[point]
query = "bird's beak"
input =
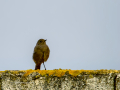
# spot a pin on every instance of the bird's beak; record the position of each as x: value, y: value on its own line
x: 46, y: 40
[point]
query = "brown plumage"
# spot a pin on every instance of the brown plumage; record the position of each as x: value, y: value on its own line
x: 41, y: 53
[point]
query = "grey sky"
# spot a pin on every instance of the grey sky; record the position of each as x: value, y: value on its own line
x: 81, y: 34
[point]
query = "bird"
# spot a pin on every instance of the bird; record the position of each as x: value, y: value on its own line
x: 41, y: 53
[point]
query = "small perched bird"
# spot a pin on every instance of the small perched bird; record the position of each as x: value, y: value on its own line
x: 41, y: 53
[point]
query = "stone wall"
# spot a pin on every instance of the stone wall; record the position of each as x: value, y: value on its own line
x: 60, y: 80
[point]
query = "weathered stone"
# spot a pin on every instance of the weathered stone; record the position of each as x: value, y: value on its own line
x: 36, y: 81
x: 117, y: 79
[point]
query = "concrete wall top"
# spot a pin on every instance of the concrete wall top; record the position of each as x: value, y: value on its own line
x: 59, y: 79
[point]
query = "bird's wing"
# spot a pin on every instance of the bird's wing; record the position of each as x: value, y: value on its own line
x: 38, y: 55
x: 46, y: 54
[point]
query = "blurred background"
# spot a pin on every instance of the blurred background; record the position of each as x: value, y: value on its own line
x: 81, y: 34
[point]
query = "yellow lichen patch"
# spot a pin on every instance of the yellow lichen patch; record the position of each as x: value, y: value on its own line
x: 88, y: 71
x: 116, y: 71
x: 74, y: 72
x: 15, y: 72
x: 43, y: 72
x: 103, y: 71
x: 113, y: 71
x: 28, y: 72
x: 90, y: 76
x: 1, y: 71
x: 51, y: 72
x: 61, y: 72
x: 82, y: 71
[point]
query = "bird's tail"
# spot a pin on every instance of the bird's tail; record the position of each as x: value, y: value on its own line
x: 37, y: 66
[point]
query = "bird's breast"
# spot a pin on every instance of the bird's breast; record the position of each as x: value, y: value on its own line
x: 40, y: 49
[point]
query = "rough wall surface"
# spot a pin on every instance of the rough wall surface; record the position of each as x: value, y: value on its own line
x: 118, y: 82
x: 15, y: 80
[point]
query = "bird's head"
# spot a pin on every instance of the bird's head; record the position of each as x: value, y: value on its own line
x: 41, y: 42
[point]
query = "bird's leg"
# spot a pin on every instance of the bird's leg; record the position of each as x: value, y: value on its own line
x: 37, y: 66
x: 43, y: 60
x: 44, y: 65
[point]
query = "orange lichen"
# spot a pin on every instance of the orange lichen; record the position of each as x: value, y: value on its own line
x: 1, y: 71
x: 51, y: 72
x: 42, y: 72
x: 28, y: 72
x: 61, y: 72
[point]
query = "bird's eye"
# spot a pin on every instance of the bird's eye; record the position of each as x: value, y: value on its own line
x: 40, y: 41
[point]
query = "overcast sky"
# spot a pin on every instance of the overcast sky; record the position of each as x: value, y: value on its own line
x: 81, y: 34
